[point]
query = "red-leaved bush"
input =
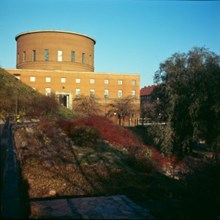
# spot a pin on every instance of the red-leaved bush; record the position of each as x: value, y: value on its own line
x: 114, y: 134
x: 123, y: 138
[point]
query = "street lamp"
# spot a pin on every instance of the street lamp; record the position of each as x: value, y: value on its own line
x: 17, y: 117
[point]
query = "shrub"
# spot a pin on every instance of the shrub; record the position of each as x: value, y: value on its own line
x: 84, y: 135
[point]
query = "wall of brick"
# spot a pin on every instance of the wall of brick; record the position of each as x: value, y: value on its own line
x: 55, y: 41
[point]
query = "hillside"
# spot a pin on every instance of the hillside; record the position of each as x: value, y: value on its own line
x: 17, y: 97
x: 53, y: 166
x: 55, y: 162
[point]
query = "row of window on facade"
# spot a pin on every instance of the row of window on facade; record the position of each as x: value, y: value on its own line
x: 106, y: 93
x: 59, y: 56
x: 78, y: 80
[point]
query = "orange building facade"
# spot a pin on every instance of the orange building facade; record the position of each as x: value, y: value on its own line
x: 62, y: 63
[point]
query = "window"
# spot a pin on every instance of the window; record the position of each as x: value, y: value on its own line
x: 133, y: 93
x: 33, y: 55
x: 77, y: 92
x: 133, y: 82
x: 46, y: 55
x: 59, y: 55
x: 106, y: 81
x: 92, y: 81
x: 32, y: 78
x: 63, y: 80
x: 120, y: 82
x: 83, y: 57
x: 18, y: 58
x: 106, y: 93
x: 47, y: 79
x: 48, y: 91
x: 72, y: 56
x: 77, y: 80
x: 24, y: 56
x: 119, y: 93
x: 92, y: 92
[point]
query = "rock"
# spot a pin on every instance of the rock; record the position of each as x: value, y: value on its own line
x: 52, y: 192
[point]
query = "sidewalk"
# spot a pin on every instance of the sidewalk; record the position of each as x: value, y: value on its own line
x: 110, y: 207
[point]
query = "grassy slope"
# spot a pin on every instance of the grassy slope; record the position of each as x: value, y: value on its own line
x: 12, y: 89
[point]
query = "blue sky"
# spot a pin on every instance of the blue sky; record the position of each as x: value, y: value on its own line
x: 132, y: 36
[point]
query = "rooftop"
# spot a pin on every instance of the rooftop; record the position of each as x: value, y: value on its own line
x: 57, y: 31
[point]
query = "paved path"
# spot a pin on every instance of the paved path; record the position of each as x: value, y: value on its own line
x: 110, y: 207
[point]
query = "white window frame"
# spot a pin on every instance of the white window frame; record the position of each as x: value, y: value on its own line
x: 120, y: 82
x: 59, y: 55
x: 77, y: 92
x: 106, y: 93
x: 106, y: 81
x: 92, y: 92
x: 48, y: 79
x: 133, y: 93
x: 92, y: 81
x: 32, y: 78
x: 77, y: 80
x: 48, y: 91
x: 63, y: 80
x: 120, y: 93
x: 133, y: 82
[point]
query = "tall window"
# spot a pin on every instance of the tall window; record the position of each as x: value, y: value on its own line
x: 24, y: 56
x: 34, y: 55
x: 90, y: 59
x: 133, y: 82
x: 46, y: 55
x: 106, y: 93
x: 48, y: 91
x: 59, y: 55
x: 83, y: 57
x: 77, y: 92
x: 18, y: 57
x: 119, y: 93
x: 72, y: 56
x: 92, y: 92
x: 133, y: 93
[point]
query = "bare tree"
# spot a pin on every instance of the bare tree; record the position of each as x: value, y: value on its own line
x: 122, y: 107
x: 86, y: 104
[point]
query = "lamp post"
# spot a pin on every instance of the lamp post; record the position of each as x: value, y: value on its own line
x: 17, y: 117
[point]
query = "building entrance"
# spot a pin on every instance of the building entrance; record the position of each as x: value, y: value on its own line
x: 64, y: 99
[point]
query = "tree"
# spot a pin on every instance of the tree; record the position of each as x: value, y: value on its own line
x: 86, y: 104
x: 191, y: 99
x: 122, y: 107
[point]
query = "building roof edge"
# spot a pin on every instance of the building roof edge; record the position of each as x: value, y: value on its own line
x: 58, y: 31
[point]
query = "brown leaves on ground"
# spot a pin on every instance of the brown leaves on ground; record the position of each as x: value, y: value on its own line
x: 53, y: 165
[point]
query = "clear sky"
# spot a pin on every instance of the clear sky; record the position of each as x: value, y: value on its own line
x: 132, y: 36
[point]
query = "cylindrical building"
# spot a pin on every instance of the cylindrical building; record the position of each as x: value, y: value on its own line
x: 55, y: 50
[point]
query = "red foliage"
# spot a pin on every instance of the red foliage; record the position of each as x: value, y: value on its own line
x: 123, y: 138
x: 116, y: 135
